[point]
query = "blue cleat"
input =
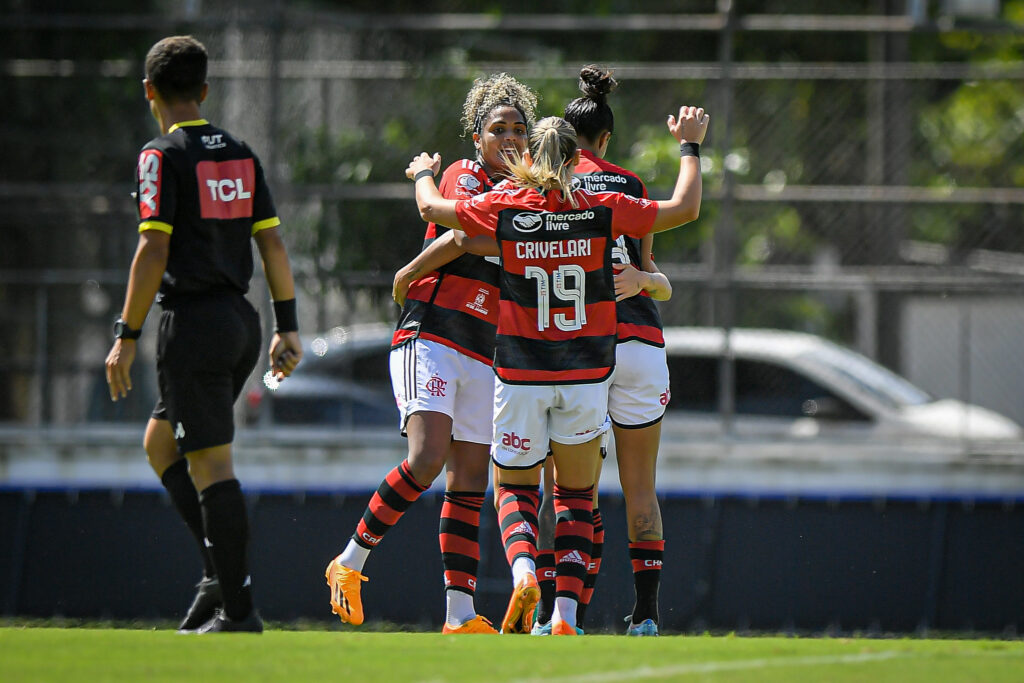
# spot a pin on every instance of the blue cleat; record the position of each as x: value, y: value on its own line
x: 541, y: 629
x: 647, y: 627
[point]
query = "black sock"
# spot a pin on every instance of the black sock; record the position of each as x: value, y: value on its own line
x: 186, y: 500
x: 227, y: 529
x: 647, y: 584
x: 546, y: 579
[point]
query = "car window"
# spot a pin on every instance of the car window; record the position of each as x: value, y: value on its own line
x: 373, y: 367
x: 886, y: 386
x: 769, y: 389
x: 761, y: 388
x: 694, y: 383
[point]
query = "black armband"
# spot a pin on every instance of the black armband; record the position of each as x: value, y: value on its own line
x: 423, y: 174
x: 286, y: 316
x: 689, y: 149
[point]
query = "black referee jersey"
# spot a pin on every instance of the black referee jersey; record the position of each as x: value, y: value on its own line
x: 207, y: 190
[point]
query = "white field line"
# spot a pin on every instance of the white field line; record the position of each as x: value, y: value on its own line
x: 713, y: 667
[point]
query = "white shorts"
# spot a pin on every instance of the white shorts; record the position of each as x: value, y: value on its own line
x: 527, y: 416
x: 428, y: 376
x: 639, y: 391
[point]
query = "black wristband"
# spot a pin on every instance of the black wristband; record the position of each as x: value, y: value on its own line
x: 423, y: 174
x: 689, y: 149
x: 286, y: 316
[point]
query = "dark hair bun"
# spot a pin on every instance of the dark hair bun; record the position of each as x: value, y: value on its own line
x: 596, y: 82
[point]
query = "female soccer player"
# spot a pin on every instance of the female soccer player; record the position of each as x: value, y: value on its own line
x: 555, y: 347
x: 441, y: 358
x: 639, y: 389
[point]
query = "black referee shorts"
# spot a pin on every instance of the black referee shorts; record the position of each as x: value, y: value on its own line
x: 206, y: 349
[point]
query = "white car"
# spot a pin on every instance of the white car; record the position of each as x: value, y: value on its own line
x: 810, y: 416
x: 791, y: 384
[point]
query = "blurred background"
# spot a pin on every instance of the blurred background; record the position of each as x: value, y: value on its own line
x: 862, y: 187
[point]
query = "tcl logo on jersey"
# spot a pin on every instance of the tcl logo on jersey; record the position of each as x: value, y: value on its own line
x: 513, y: 440
x: 149, y: 183
x: 225, y: 188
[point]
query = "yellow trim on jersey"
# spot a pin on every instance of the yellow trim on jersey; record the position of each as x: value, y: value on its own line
x: 265, y: 223
x: 156, y: 225
x: 182, y: 124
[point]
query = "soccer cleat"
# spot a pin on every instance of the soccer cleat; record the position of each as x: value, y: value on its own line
x: 222, y: 623
x: 477, y: 624
x: 519, y: 616
x: 647, y: 627
x: 204, y: 605
x: 560, y: 628
x: 345, y: 584
x: 541, y: 629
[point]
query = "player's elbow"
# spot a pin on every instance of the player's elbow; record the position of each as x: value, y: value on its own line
x: 690, y: 213
x: 427, y: 211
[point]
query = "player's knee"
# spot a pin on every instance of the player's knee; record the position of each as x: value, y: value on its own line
x: 426, y: 465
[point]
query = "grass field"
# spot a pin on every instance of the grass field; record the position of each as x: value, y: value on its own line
x: 119, y: 654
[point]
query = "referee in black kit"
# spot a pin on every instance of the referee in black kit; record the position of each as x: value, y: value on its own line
x: 201, y: 198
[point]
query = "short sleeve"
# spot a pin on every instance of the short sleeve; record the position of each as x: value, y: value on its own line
x: 156, y: 191
x: 479, y: 215
x: 631, y: 216
x: 264, y: 214
x: 461, y: 182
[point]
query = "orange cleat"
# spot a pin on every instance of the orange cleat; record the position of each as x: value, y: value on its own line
x: 477, y: 624
x: 561, y: 628
x: 345, y: 584
x: 519, y: 616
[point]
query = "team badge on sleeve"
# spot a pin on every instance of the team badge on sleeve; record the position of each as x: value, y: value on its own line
x: 150, y: 166
x: 467, y: 185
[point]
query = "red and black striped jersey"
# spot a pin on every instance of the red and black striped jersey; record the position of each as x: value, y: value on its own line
x: 457, y: 305
x: 638, y: 315
x: 557, y: 322
x: 206, y: 189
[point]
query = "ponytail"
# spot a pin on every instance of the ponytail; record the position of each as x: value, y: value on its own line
x: 552, y: 149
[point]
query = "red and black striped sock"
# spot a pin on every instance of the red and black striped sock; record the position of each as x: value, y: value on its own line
x: 395, y: 494
x: 574, y: 535
x: 597, y: 547
x: 517, y: 518
x: 646, y: 558
x: 546, y: 579
x: 459, y: 535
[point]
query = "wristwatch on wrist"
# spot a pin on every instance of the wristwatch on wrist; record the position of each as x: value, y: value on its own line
x: 122, y: 331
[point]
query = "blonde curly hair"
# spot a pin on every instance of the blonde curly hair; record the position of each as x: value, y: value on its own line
x: 498, y: 90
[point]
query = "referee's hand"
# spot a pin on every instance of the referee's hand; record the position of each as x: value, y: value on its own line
x: 285, y: 354
x: 118, y: 367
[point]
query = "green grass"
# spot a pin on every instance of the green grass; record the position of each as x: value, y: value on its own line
x: 32, y: 653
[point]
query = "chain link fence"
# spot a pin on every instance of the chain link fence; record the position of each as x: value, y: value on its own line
x: 861, y: 174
